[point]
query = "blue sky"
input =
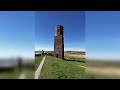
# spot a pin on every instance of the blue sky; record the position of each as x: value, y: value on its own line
x: 103, y: 34
x: 17, y: 33
x: 74, y: 29
x: 97, y: 32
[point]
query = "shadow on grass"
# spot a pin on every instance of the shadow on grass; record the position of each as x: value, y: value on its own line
x: 74, y: 60
x: 7, y: 69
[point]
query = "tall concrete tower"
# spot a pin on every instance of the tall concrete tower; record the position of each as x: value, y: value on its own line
x: 59, y: 42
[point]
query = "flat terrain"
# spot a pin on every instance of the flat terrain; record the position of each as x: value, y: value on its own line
x: 9, y: 74
x: 26, y: 72
x: 79, y: 55
x: 103, y: 70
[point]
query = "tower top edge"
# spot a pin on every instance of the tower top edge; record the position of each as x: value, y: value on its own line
x: 59, y: 25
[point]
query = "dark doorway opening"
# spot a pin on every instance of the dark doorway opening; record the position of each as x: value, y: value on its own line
x: 57, y: 55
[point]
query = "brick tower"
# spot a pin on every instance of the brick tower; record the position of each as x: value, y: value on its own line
x: 59, y: 42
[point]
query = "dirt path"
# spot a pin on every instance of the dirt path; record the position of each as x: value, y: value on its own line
x: 37, y: 72
x: 22, y: 76
x: 81, y: 66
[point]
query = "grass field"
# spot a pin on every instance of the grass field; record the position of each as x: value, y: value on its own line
x: 73, y: 58
x: 15, y: 72
x: 55, y: 68
x: 93, y: 76
x: 29, y: 73
x: 38, y: 59
x: 75, y: 55
x: 72, y: 67
x: 103, y: 70
x: 11, y: 74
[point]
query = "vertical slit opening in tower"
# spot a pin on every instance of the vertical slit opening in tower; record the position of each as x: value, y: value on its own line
x: 57, y: 55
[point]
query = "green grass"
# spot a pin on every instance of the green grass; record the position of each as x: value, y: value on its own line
x: 55, y: 68
x: 9, y: 74
x: 38, y: 59
x: 76, y: 53
x: 74, y: 58
x: 29, y: 73
x: 14, y: 73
